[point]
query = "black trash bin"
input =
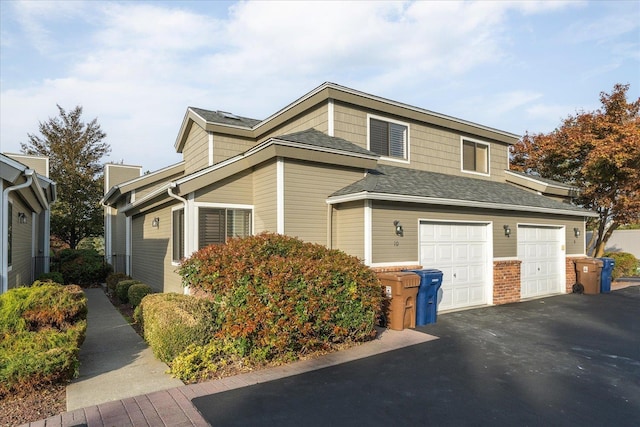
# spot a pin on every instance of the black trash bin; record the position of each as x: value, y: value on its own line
x: 606, y: 274
x: 427, y: 300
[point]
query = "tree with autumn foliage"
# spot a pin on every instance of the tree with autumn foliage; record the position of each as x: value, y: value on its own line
x: 75, y: 150
x: 597, y: 152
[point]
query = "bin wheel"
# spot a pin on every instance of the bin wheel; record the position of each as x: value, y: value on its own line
x: 577, y: 288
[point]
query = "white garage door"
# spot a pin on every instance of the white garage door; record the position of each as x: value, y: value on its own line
x: 460, y: 250
x: 541, y: 250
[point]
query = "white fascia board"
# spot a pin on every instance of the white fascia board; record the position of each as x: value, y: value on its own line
x: 547, y: 184
x: 453, y: 202
x: 155, y: 193
x: 106, y: 198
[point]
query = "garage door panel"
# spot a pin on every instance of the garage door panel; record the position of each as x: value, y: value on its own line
x: 542, y: 260
x: 460, y: 251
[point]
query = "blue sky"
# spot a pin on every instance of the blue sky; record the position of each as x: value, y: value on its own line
x: 136, y: 66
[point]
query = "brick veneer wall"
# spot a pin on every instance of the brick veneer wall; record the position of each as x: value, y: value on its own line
x: 506, y: 281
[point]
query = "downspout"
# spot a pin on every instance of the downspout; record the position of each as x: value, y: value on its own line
x: 186, y: 242
x: 4, y: 286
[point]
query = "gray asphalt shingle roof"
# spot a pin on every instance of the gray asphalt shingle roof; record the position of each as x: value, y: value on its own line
x: 410, y: 182
x: 319, y: 139
x: 225, y: 118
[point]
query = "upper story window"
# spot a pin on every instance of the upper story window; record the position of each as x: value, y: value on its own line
x: 388, y: 138
x: 475, y: 156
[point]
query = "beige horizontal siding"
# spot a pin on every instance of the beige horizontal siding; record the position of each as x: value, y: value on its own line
x: 306, y: 188
x: 316, y: 118
x: 226, y: 146
x: 384, y: 213
x: 196, y: 150
x: 431, y: 148
x: 151, y: 252
x: 348, y: 228
x: 237, y: 189
x: 264, y: 198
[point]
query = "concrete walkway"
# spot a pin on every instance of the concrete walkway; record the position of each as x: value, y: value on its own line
x: 122, y: 384
x: 115, y: 363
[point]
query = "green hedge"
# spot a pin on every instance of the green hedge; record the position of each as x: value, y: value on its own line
x: 171, y: 322
x: 113, y: 279
x: 625, y: 264
x: 122, y: 289
x: 54, y: 276
x: 278, y: 297
x: 137, y: 292
x: 41, y: 330
x: 83, y: 266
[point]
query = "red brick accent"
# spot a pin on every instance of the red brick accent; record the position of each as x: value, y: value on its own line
x: 571, y: 273
x: 506, y: 281
x: 395, y: 268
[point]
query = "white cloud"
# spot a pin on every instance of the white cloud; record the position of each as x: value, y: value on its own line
x: 137, y: 66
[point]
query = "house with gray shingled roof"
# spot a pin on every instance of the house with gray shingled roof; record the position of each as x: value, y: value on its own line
x: 396, y: 185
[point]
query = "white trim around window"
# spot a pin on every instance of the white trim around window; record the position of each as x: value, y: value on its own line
x: 478, y: 145
x: 226, y: 207
x: 407, y: 138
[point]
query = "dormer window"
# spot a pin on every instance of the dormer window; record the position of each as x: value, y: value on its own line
x: 475, y: 156
x: 388, y: 138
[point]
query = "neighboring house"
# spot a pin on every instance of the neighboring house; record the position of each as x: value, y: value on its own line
x: 395, y: 185
x: 27, y: 193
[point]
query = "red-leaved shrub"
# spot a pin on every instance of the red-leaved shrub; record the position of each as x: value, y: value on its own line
x: 277, y: 296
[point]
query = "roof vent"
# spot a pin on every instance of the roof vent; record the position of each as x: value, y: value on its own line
x: 228, y: 115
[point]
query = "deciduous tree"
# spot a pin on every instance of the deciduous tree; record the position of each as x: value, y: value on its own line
x: 599, y: 153
x: 74, y: 149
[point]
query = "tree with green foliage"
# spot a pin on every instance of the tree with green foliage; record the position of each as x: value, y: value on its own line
x: 597, y: 152
x: 75, y: 150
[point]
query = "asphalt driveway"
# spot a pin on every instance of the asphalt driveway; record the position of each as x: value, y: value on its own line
x: 564, y: 360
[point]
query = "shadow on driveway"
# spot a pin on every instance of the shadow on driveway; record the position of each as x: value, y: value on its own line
x: 564, y: 360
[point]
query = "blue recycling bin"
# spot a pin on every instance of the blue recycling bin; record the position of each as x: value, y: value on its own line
x: 427, y: 300
x: 606, y: 274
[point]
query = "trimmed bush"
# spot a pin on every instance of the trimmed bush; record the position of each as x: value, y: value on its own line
x: 281, y: 297
x: 83, y: 266
x: 41, y: 330
x: 122, y: 289
x: 54, y: 276
x: 138, y: 291
x: 625, y: 264
x: 113, y: 279
x: 171, y: 322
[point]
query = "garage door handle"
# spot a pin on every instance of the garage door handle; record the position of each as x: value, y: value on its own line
x: 454, y: 275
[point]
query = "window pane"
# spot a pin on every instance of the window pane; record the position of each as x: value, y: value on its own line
x: 178, y: 234
x: 397, y: 137
x: 10, y: 235
x: 468, y: 156
x: 379, y: 137
x: 482, y: 158
x: 238, y: 223
x: 211, y: 227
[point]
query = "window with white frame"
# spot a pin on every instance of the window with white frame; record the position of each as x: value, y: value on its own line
x: 475, y: 156
x: 177, y: 230
x: 217, y: 225
x: 10, y: 235
x: 388, y: 138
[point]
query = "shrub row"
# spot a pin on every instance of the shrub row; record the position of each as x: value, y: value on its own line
x: 277, y: 297
x: 83, y: 266
x: 626, y: 264
x: 171, y: 322
x: 41, y: 330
